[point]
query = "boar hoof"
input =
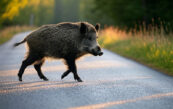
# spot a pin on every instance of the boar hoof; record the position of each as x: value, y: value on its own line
x: 79, y: 80
x: 20, y: 79
x: 44, y: 78
x: 62, y: 76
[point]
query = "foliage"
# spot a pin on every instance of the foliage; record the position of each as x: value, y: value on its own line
x: 8, y: 32
x: 40, y: 10
x: 66, y: 10
x: 152, y: 48
x: 92, y: 15
x: 133, y: 13
x: 10, y: 8
x: 20, y: 11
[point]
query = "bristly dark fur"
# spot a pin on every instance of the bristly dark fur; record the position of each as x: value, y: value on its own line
x: 57, y: 41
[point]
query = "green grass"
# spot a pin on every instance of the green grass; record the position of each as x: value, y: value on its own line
x: 154, y: 50
x: 8, y: 32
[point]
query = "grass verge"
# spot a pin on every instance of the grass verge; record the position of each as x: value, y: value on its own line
x: 152, y: 48
x: 8, y: 32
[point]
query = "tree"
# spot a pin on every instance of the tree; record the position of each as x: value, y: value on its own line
x: 66, y: 10
x: 128, y: 13
x: 40, y: 11
x: 9, y: 9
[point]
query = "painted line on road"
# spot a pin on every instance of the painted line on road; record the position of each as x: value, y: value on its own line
x: 114, y: 103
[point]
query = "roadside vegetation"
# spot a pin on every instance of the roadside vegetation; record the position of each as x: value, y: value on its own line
x: 8, y: 32
x: 152, y: 47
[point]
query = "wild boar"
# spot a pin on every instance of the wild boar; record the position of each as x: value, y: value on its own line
x: 67, y: 41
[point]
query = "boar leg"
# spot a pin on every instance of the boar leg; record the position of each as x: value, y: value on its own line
x: 28, y: 61
x: 38, y: 69
x: 72, y: 67
x: 65, y: 74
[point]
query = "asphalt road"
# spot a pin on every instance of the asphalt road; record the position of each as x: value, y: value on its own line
x: 110, y: 81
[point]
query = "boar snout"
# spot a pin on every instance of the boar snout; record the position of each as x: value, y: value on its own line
x: 97, y: 51
x: 100, y: 54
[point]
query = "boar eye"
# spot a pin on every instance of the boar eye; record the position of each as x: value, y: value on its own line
x: 90, y: 38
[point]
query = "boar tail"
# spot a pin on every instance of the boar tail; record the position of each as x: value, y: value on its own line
x: 16, y: 44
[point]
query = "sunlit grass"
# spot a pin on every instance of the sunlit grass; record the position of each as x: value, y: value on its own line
x: 153, y: 48
x: 8, y: 32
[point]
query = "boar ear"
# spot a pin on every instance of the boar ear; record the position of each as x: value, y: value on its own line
x: 83, y: 28
x: 97, y: 27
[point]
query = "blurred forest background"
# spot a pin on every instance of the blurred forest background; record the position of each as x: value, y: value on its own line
x: 121, y: 13
x: 138, y: 29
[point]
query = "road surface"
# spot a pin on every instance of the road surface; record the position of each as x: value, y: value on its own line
x: 110, y: 82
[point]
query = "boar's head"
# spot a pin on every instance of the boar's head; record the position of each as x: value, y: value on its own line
x: 89, y: 36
